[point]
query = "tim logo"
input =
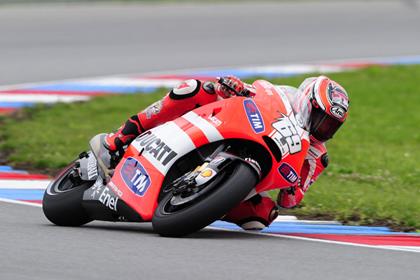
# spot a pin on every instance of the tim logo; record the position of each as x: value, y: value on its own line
x: 254, y: 116
x: 288, y: 173
x: 135, y: 176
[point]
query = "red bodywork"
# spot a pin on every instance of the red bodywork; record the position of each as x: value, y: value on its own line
x: 138, y: 178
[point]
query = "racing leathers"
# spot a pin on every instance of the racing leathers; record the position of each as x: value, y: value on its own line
x: 257, y: 212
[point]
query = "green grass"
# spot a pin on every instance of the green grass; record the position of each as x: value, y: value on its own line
x: 50, y: 136
x: 374, y: 171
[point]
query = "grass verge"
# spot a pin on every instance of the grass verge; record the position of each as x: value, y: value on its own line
x: 374, y: 172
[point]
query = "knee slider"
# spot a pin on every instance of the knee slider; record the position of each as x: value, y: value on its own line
x: 186, y: 89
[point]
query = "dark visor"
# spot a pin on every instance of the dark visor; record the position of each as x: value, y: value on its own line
x: 323, y: 126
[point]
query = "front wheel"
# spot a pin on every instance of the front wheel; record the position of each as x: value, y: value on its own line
x: 233, y: 185
x: 62, y: 202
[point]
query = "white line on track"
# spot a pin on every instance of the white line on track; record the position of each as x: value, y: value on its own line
x: 411, y: 249
x: 41, y: 98
x: 118, y: 79
x: 20, y: 202
x: 24, y: 184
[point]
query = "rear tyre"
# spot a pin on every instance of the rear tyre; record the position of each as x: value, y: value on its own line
x: 232, y: 189
x: 62, y: 202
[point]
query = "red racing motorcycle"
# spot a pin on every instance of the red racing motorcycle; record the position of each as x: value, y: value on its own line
x: 186, y: 173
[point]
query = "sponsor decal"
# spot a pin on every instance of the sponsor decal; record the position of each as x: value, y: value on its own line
x: 288, y: 173
x: 104, y: 195
x: 96, y: 188
x: 155, y: 146
x: 153, y: 109
x: 337, y: 112
x: 215, y: 120
x: 115, y: 189
x: 108, y: 199
x: 314, y: 152
x: 206, y: 173
x: 92, y: 170
x: 338, y: 99
x: 135, y: 176
x: 285, y: 135
x: 254, y: 116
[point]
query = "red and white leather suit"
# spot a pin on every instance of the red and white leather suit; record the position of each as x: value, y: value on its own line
x: 254, y: 213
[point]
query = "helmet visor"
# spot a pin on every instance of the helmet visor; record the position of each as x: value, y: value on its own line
x: 323, y: 126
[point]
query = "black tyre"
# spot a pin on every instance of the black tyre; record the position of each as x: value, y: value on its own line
x: 233, y: 186
x: 62, y: 202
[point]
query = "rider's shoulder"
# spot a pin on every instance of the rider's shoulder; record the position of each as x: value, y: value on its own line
x: 286, y: 89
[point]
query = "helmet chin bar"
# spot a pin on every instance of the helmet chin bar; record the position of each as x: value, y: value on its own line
x: 323, y: 126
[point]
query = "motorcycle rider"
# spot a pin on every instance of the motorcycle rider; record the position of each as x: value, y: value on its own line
x: 320, y: 107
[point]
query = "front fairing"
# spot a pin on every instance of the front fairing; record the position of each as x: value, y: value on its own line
x: 283, y: 129
x: 140, y: 174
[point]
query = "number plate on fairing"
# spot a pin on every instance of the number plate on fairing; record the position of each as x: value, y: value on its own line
x: 286, y: 135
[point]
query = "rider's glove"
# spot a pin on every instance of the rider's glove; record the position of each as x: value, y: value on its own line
x: 290, y: 197
x: 231, y: 86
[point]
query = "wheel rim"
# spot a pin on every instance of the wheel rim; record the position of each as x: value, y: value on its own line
x: 173, y: 204
x: 64, y: 182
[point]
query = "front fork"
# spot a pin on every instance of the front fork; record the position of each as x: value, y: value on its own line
x: 196, y: 180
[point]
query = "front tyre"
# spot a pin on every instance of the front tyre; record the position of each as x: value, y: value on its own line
x: 62, y: 202
x: 232, y: 188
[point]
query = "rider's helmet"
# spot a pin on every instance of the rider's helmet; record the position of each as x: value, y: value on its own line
x: 321, y: 107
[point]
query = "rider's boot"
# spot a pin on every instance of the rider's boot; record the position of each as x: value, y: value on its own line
x: 115, y: 142
x: 255, y: 213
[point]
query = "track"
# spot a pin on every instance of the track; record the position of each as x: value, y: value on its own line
x: 72, y: 41
x: 122, y: 251
x: 69, y: 41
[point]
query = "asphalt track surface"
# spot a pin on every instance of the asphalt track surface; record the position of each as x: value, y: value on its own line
x: 56, y: 42
x: 34, y: 249
x: 39, y: 43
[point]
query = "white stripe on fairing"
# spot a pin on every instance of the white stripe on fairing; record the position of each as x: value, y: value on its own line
x: 174, y: 137
x: 24, y: 184
x: 116, y: 81
x: 41, y: 98
x: 208, y: 129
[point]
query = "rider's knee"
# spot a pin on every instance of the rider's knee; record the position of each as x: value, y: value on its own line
x: 195, y: 91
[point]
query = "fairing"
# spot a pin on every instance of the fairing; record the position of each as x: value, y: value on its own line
x: 139, y: 176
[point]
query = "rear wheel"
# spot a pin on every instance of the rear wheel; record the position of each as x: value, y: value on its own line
x: 62, y: 202
x: 176, y: 216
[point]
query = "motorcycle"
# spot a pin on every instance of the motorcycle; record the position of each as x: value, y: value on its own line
x: 186, y: 173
